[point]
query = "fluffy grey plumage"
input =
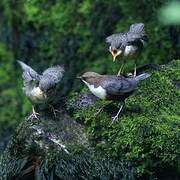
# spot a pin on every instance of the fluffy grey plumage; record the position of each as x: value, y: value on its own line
x: 128, y: 44
x: 41, y: 88
x: 135, y: 36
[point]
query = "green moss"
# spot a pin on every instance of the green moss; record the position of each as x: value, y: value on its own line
x: 147, y: 133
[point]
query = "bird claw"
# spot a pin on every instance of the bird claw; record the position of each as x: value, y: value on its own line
x: 55, y: 111
x: 115, y: 119
x: 34, y: 115
x: 119, y: 74
x: 99, y: 111
x: 130, y: 75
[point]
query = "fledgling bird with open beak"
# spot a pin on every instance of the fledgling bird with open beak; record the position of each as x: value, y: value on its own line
x: 127, y: 45
x: 112, y: 87
x: 41, y: 89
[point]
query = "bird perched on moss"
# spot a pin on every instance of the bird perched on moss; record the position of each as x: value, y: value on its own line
x: 112, y: 87
x: 41, y: 89
x: 128, y: 44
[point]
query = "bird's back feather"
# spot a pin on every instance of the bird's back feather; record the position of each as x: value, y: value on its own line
x: 56, y: 73
x: 137, y: 28
x: 51, y: 77
x: 118, y: 85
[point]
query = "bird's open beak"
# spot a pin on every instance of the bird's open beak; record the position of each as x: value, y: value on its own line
x: 115, y: 54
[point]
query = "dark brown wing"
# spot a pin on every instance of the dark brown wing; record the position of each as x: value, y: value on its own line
x: 115, y: 85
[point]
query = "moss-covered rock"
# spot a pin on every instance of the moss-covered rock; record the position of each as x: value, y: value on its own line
x: 144, y: 143
x: 56, y: 148
x: 147, y: 133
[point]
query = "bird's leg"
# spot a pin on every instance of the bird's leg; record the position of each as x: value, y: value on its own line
x: 135, y: 67
x: 101, y: 109
x: 34, y: 114
x: 135, y: 70
x: 121, y: 69
x: 55, y: 111
x: 115, y: 118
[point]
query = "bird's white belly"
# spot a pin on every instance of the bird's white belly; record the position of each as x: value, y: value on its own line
x: 99, y: 91
x: 129, y: 50
x: 36, y: 95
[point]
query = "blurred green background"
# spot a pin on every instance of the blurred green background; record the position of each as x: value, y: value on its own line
x: 44, y: 33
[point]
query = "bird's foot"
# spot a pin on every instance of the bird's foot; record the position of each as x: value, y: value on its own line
x: 130, y: 75
x: 55, y: 111
x: 34, y: 115
x: 115, y: 118
x: 99, y: 110
x: 119, y: 73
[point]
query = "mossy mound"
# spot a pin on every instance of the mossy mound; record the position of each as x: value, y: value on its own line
x: 57, y: 148
x: 147, y: 133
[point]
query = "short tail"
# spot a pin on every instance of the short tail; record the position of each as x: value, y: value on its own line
x: 137, y: 28
x: 142, y: 76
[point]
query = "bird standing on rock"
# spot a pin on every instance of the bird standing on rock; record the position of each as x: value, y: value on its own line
x: 127, y: 45
x: 41, y: 89
x: 112, y: 87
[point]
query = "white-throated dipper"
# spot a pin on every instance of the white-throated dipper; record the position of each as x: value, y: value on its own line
x: 41, y: 89
x: 112, y: 87
x: 127, y: 45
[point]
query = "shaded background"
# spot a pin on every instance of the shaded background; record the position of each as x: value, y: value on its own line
x: 44, y: 33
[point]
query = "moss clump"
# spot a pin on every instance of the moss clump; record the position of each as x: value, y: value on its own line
x: 56, y: 148
x: 147, y: 133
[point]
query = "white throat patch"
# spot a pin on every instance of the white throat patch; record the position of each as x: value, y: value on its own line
x: 99, y: 91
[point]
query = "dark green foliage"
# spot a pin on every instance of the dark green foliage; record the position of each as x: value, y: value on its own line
x: 11, y: 97
x: 147, y: 133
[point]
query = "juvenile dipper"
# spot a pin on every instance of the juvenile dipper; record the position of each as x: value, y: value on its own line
x: 127, y: 45
x: 41, y: 89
